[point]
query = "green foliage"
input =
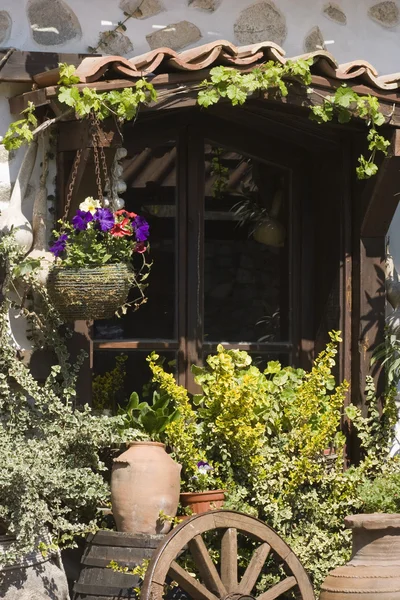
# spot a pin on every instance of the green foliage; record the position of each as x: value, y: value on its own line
x: 21, y: 132
x: 93, y: 248
x: 387, y: 355
x: 151, y: 418
x: 265, y: 432
x: 226, y: 82
x: 275, y: 79
x: 382, y: 494
x: 220, y: 173
x: 123, y: 104
x: 108, y: 387
x: 51, y: 475
x: 346, y: 104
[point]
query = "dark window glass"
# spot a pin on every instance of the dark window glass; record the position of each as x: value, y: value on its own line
x: 150, y: 176
x: 246, y: 259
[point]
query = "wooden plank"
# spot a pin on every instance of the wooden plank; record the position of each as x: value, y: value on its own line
x: 23, y: 65
x: 372, y: 308
x: 206, y: 567
x: 19, y: 103
x: 278, y: 589
x: 229, y: 559
x: 128, y: 344
x: 181, y: 308
x: 195, y: 254
x: 77, y: 134
x: 346, y: 259
x: 254, y: 569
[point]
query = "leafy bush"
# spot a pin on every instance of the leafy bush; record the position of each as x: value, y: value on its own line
x: 382, y: 494
x: 51, y: 475
x: 265, y: 432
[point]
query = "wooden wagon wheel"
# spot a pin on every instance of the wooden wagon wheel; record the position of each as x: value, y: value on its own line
x: 212, y: 585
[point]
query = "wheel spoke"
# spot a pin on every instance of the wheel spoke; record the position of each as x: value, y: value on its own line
x: 254, y: 568
x: 229, y: 559
x: 278, y: 589
x: 206, y: 567
x: 189, y: 584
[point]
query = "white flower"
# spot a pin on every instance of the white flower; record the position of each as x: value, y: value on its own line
x: 90, y: 205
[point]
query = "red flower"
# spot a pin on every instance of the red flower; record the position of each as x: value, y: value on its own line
x: 122, y: 228
x: 140, y: 247
x: 125, y: 213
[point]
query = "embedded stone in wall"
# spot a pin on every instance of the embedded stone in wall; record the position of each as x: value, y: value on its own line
x: 52, y: 22
x: 142, y: 9
x: 129, y: 6
x: 335, y: 13
x: 385, y: 13
x: 209, y: 5
x: 5, y: 26
x: 261, y: 22
x: 114, y: 43
x: 175, y: 36
x: 314, y: 40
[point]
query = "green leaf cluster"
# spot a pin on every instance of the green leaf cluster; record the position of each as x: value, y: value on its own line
x: 226, y: 82
x: 265, y: 433
x: 123, y: 104
x: 21, y: 132
x: 346, y: 104
x: 381, y: 495
x: 150, y: 417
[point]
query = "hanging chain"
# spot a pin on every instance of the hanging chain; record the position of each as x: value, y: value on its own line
x: 97, y: 167
x: 72, y: 183
x: 99, y: 150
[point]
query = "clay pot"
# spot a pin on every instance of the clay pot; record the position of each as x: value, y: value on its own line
x: 373, y: 572
x: 270, y: 233
x: 201, y: 502
x: 144, y: 481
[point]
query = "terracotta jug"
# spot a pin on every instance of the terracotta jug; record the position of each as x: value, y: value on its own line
x: 373, y: 572
x: 145, y: 480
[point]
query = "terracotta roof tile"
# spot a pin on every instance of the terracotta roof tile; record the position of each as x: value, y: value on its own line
x: 221, y: 52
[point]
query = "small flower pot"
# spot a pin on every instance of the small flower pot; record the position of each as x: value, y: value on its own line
x: 201, y: 502
x: 89, y: 293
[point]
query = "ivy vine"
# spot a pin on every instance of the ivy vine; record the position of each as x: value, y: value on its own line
x: 224, y: 83
x: 345, y: 104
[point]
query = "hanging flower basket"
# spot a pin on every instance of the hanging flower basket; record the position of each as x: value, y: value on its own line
x: 89, y: 293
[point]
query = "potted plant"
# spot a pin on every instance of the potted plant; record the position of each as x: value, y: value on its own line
x: 145, y: 481
x: 203, y: 497
x: 93, y: 271
x: 374, y: 568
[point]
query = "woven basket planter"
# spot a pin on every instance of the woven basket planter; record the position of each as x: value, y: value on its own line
x: 89, y: 293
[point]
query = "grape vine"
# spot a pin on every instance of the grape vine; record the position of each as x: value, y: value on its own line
x: 123, y: 104
x: 224, y: 83
x: 345, y: 104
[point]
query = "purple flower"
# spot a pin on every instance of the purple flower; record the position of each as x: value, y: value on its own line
x: 141, y: 229
x: 59, y: 245
x: 81, y: 220
x: 104, y: 218
x: 203, y: 467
